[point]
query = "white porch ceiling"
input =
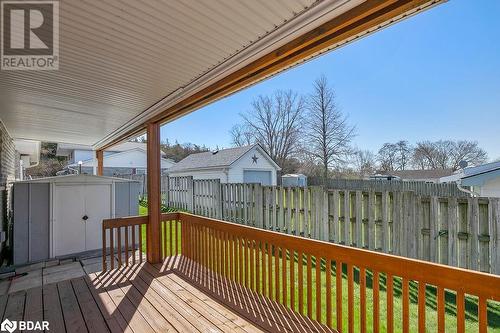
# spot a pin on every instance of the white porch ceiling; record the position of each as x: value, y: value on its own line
x: 121, y: 59
x: 118, y: 58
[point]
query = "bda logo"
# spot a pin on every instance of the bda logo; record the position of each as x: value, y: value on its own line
x: 9, y: 326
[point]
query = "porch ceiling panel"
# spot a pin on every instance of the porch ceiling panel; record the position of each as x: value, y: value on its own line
x: 117, y: 58
x: 120, y: 58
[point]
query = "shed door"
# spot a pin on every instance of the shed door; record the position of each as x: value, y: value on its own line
x: 69, y: 228
x: 97, y: 208
x: 254, y: 176
x: 73, y: 234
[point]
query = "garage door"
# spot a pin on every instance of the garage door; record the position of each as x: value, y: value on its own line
x: 252, y: 176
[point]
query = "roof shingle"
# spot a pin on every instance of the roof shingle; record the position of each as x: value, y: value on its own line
x: 221, y: 158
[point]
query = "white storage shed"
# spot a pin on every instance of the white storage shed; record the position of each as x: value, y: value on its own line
x: 294, y: 180
x: 59, y: 216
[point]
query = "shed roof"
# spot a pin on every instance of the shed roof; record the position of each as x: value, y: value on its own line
x: 78, y: 178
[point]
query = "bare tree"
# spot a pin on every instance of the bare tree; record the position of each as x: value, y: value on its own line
x: 275, y: 123
x: 404, y: 152
x: 468, y: 151
x: 395, y: 156
x: 425, y: 155
x: 387, y: 156
x: 329, y: 135
x: 447, y: 154
x: 241, y: 135
x: 365, y: 162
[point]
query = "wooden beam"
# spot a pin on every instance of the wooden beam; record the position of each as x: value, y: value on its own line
x: 99, y: 154
x: 362, y: 19
x: 154, y: 193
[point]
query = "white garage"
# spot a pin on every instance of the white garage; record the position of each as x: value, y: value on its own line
x: 247, y: 164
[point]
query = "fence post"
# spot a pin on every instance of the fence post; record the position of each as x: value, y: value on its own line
x: 494, y: 220
x: 371, y: 220
x: 167, y: 190
x: 296, y: 207
x: 306, y: 221
x: 474, y: 232
x: 484, y: 236
x: 359, y: 219
x: 259, y: 211
x: 347, y: 218
x: 385, y: 222
x: 190, y: 193
x: 334, y: 212
x: 325, y: 230
x: 218, y: 199
x: 287, y: 201
x: 396, y: 222
x: 452, y: 231
x: 434, y: 228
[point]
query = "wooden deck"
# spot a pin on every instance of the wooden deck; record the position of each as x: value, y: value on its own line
x: 146, y: 298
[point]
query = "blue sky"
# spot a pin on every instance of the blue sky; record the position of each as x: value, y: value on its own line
x: 433, y: 76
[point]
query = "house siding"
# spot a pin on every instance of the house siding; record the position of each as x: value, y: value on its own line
x: 9, y: 161
x: 246, y: 163
x: 490, y: 188
x: 202, y: 174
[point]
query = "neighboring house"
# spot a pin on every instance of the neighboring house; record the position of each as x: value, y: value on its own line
x: 248, y: 164
x: 27, y: 156
x: 484, y: 180
x: 123, y: 159
x: 428, y: 176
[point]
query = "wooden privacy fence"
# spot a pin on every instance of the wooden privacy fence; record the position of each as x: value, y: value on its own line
x: 462, y: 232
x: 419, y: 187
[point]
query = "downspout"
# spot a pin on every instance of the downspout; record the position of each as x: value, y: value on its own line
x: 472, y: 193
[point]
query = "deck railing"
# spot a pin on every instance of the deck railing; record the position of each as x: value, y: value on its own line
x: 125, y: 239
x: 121, y: 245
x: 345, y: 288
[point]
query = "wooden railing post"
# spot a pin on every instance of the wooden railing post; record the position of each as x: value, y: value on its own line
x: 154, y: 193
x: 99, y: 154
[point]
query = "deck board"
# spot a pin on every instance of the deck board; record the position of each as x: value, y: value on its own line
x: 52, y: 311
x: 90, y: 312
x: 15, y: 306
x: 71, y: 310
x: 114, y: 319
x: 146, y: 298
x: 33, y: 310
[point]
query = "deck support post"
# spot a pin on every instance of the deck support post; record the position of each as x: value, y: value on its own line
x: 99, y: 154
x: 154, y: 193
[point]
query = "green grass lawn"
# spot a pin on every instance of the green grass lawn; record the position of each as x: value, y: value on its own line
x: 471, y: 308
x: 471, y: 323
x: 144, y: 211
